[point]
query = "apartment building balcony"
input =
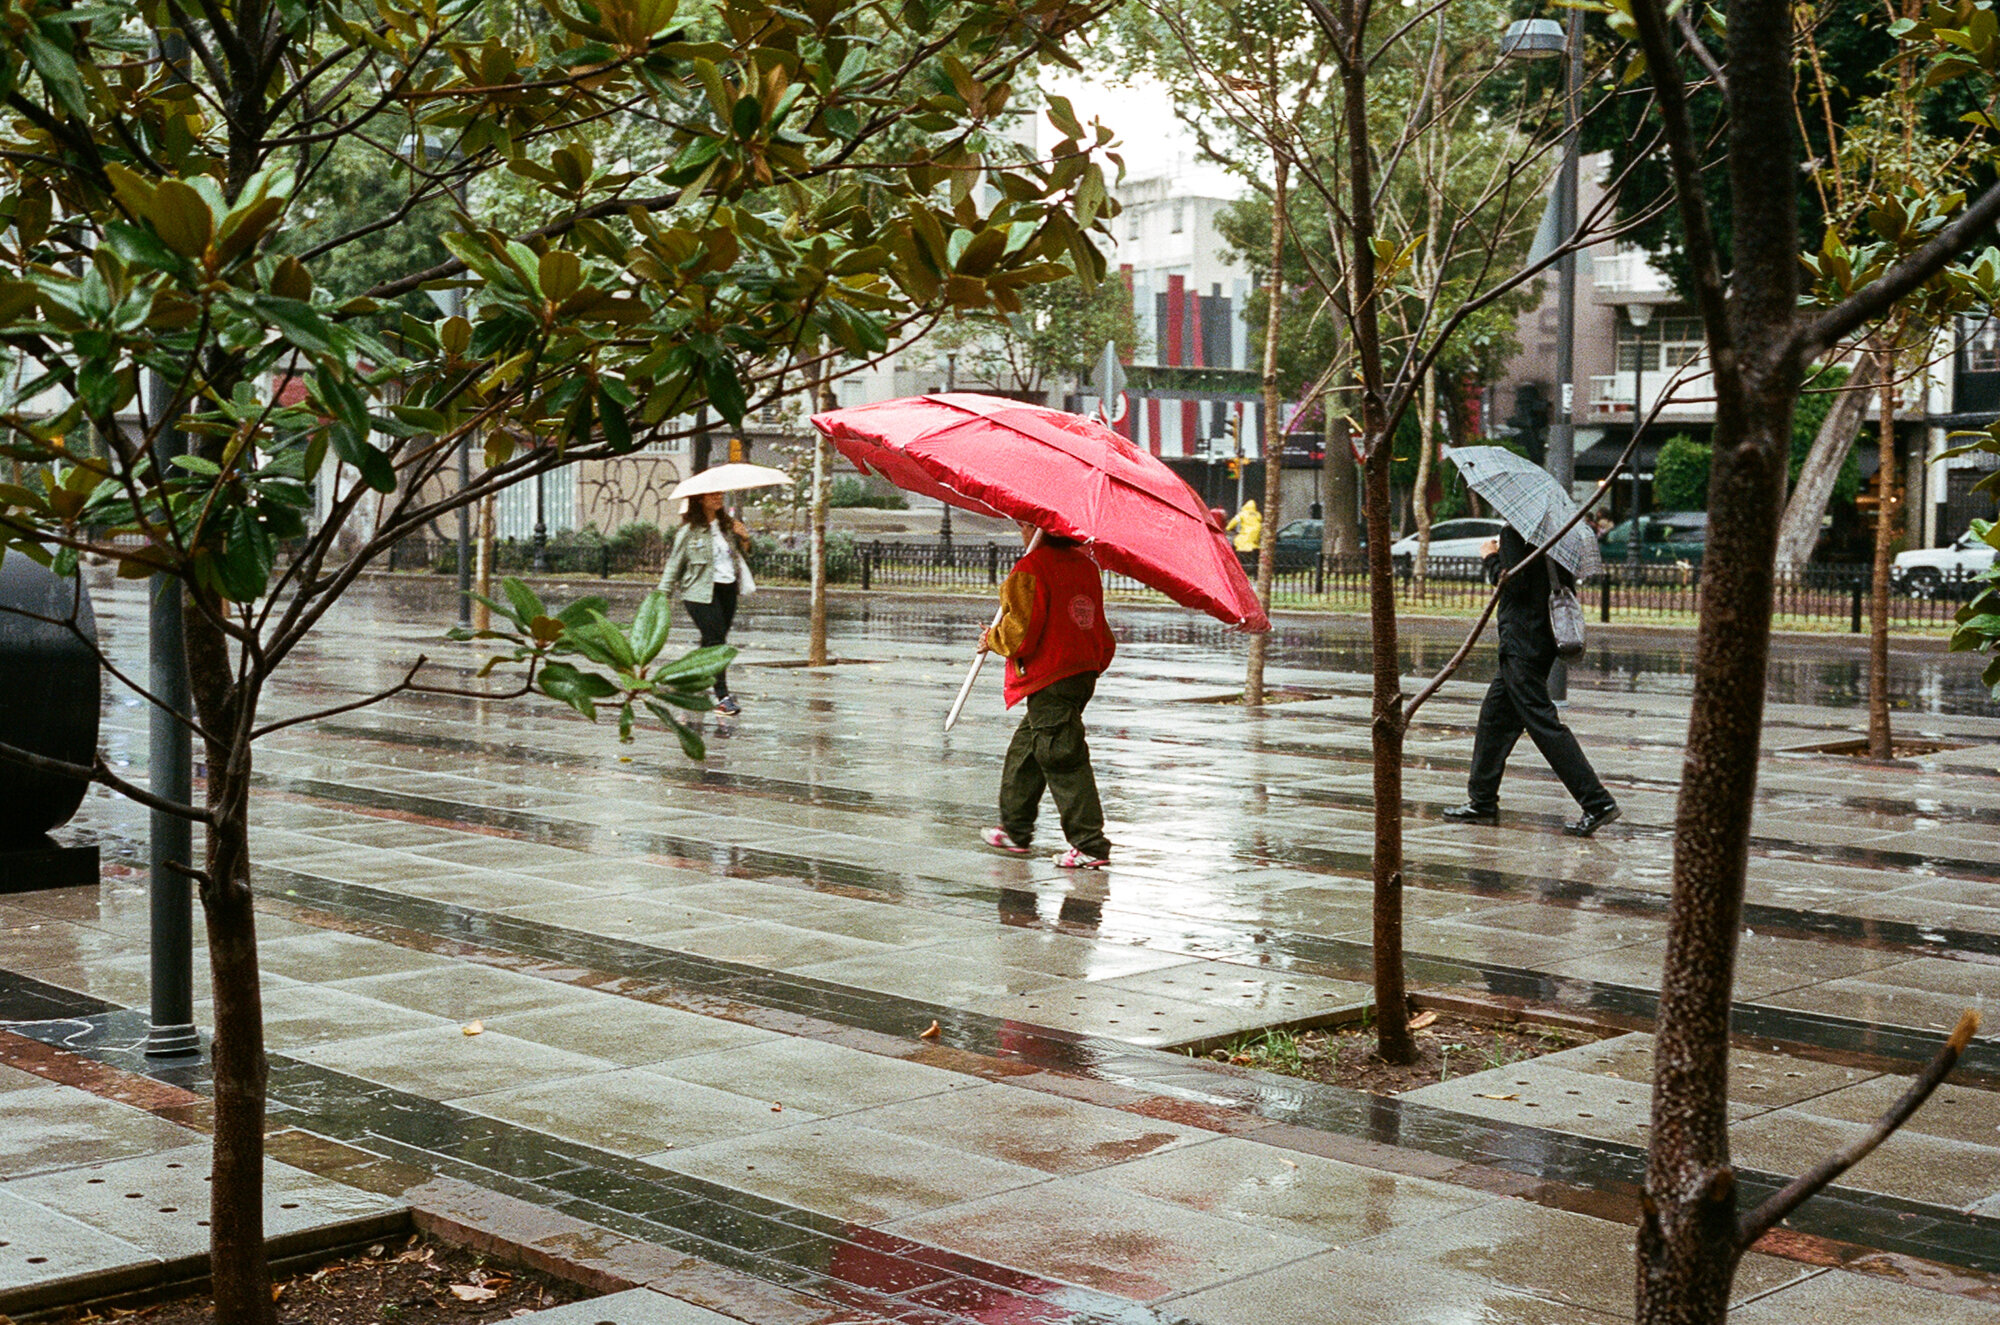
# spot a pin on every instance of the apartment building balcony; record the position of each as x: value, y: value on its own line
x: 1613, y: 397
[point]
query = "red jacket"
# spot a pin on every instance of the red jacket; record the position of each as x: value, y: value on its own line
x: 1052, y: 620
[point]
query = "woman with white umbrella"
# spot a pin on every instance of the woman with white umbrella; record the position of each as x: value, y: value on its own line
x: 708, y: 568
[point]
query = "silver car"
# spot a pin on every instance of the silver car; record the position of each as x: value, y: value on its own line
x: 1458, y: 550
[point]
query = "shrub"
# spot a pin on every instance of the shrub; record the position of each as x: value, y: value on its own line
x: 1680, y: 474
x: 848, y: 491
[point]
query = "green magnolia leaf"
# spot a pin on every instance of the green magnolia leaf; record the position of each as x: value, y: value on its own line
x: 578, y: 689
x: 649, y: 627
x: 582, y: 610
x: 524, y: 603
x: 697, y: 667
x: 690, y: 739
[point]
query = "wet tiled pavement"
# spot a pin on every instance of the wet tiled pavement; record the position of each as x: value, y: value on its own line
x: 699, y: 991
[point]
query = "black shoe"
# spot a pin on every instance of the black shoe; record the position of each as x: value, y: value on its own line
x: 1592, y: 821
x: 1470, y: 814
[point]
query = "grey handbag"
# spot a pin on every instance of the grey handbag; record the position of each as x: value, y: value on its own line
x: 1565, y: 619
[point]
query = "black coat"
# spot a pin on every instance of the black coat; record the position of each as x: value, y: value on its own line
x: 1524, y: 602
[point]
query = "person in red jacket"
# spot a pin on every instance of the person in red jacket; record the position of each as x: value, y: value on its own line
x: 1054, y: 637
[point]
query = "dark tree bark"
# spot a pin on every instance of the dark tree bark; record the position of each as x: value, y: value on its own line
x: 1888, y: 506
x: 1338, y: 482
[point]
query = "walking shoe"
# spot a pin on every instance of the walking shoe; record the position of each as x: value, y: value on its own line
x: 727, y: 704
x: 998, y: 838
x: 1470, y: 814
x: 1592, y: 821
x: 1074, y: 859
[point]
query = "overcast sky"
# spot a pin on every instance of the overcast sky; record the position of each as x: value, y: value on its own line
x: 1149, y: 138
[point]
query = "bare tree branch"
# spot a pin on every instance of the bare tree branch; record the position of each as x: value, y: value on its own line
x: 99, y: 772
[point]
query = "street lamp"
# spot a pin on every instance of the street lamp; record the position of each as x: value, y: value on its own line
x: 1545, y: 39
x: 944, y: 519
x: 1639, y: 315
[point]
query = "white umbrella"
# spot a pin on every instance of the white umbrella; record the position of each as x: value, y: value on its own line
x: 729, y: 478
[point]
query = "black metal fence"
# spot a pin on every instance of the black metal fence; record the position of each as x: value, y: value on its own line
x: 1832, y: 597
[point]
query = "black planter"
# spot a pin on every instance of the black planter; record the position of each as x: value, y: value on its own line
x: 49, y: 693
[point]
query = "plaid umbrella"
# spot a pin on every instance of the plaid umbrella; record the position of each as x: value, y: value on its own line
x: 1522, y: 493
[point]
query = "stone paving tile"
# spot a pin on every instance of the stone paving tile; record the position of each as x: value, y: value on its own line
x: 1911, y: 1164
x: 386, y: 868
x: 616, y: 876
x: 1101, y: 1008
x: 1276, y: 996
x: 634, y: 1306
x: 840, y: 1168
x: 1765, y: 966
x: 1863, y: 1299
x: 54, y: 1127
x: 1954, y: 1112
x: 960, y: 982
x: 300, y: 1016
x: 40, y: 1247
x: 445, y: 1063
x: 771, y: 946
x: 1571, y: 1258
x: 1030, y: 1129
x: 13, y: 1078
x: 464, y: 992
x: 808, y: 1074
x: 1758, y: 1080
x: 1078, y: 1231
x: 1342, y: 1288
x: 1536, y: 1095
x: 329, y: 955
x: 634, y: 1112
x: 493, y: 890
x: 1289, y: 1192
x: 626, y: 1032
x: 159, y: 1202
x: 1883, y: 1003
x: 632, y: 915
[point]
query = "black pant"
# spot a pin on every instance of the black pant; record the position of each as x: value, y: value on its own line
x: 1048, y: 752
x: 1518, y: 701
x: 713, y: 619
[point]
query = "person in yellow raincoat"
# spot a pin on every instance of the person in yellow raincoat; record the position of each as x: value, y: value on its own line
x: 1248, y: 526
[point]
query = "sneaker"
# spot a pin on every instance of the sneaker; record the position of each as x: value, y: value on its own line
x: 998, y: 839
x: 727, y: 704
x: 1074, y: 859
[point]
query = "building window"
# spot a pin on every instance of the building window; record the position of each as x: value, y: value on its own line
x: 1180, y: 215
x: 1982, y: 345
x: 1669, y: 343
x: 1131, y: 223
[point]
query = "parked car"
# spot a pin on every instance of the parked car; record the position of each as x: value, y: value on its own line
x: 1458, y: 550
x: 1937, y: 570
x: 1664, y: 536
x: 1298, y: 546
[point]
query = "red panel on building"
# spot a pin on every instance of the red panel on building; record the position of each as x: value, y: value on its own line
x: 1153, y: 426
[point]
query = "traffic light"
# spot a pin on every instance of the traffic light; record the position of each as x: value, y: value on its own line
x: 1236, y: 440
x: 1235, y: 468
x: 736, y: 450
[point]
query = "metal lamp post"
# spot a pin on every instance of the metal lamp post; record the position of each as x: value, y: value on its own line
x: 1639, y: 315
x: 944, y: 519
x: 1545, y: 39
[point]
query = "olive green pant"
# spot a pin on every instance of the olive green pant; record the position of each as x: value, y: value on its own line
x: 1048, y: 750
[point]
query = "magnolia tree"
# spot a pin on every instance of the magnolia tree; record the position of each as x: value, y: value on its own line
x: 189, y: 401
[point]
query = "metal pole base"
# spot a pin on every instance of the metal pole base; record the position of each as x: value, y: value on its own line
x: 172, y: 1041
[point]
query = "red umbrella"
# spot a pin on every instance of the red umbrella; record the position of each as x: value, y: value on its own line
x: 1061, y: 472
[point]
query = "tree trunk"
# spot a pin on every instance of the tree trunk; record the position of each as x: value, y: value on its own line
x: 1274, y: 434
x: 1887, y: 507
x: 1343, y: 531
x: 1687, y: 1250
x: 816, y: 541
x: 1392, y: 1011
x: 1421, y: 503
x: 482, y: 615
x: 241, y: 1273
x: 1799, y: 529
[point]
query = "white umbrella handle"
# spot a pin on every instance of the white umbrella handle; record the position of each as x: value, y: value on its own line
x: 979, y: 658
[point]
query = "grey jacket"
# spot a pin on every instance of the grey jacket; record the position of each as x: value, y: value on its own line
x: 689, y: 574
